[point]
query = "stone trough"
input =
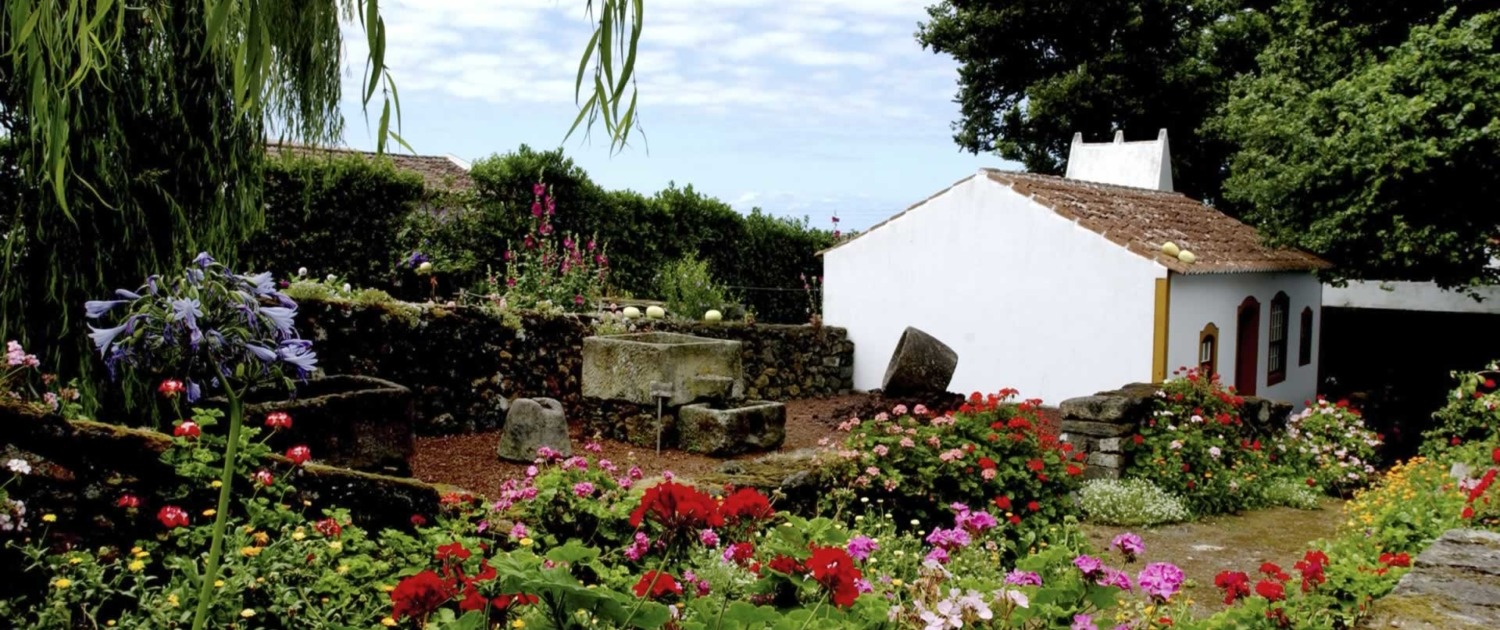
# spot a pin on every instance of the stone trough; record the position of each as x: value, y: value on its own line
x: 683, y: 390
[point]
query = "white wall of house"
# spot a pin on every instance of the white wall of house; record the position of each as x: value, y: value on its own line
x: 1197, y: 300
x: 1410, y: 296
x: 1027, y: 298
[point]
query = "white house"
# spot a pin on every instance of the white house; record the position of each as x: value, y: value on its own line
x: 1058, y: 286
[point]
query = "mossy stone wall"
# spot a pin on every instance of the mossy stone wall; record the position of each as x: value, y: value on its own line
x: 465, y: 364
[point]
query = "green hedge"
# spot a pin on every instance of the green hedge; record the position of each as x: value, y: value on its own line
x: 358, y: 218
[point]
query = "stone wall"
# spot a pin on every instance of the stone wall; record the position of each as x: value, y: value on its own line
x: 464, y: 365
x: 1099, y: 424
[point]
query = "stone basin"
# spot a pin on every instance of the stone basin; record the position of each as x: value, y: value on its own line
x: 356, y: 422
x: 684, y: 368
x: 748, y: 427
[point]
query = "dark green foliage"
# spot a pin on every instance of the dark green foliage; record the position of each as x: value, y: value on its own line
x: 1033, y: 72
x: 334, y: 216
x: 1369, y: 136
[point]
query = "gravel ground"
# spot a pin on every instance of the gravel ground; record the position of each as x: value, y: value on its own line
x: 469, y: 462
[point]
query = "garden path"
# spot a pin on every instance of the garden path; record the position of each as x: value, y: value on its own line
x: 1239, y: 542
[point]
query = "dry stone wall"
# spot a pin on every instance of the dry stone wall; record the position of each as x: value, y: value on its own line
x: 464, y: 365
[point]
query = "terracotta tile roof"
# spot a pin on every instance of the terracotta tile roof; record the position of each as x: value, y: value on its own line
x: 1140, y: 220
x: 440, y: 173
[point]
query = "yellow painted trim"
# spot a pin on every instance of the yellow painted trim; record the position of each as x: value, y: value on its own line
x: 1159, y: 332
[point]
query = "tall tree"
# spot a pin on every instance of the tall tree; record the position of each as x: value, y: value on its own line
x: 1033, y: 72
x: 1369, y: 135
x: 135, y: 131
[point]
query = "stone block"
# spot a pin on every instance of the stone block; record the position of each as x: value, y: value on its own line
x: 754, y: 426
x: 1453, y: 584
x: 623, y: 367
x: 1096, y: 429
x: 1265, y: 413
x: 1106, y: 408
x: 531, y: 424
x: 1100, y: 472
x: 1106, y: 460
x: 1109, y: 445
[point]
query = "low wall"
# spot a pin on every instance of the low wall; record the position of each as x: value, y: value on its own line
x: 1099, y: 424
x: 464, y: 365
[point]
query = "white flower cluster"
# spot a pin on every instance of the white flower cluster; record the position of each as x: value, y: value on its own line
x: 1132, y: 502
x: 1333, y: 436
x: 12, y: 515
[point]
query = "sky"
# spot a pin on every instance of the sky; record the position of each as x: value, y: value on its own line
x: 804, y: 108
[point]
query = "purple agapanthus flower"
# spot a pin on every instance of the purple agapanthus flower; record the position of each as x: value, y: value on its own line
x: 299, y: 354
x: 203, y: 260
x: 103, y: 337
x: 281, y: 317
x: 94, y: 309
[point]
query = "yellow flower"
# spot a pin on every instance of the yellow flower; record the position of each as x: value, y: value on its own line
x: 75, y: 560
x: 110, y: 623
x: 172, y: 599
x: 136, y: 566
x: 335, y: 545
x: 897, y: 583
x: 261, y: 538
x: 518, y: 624
x: 343, y: 568
x: 298, y: 535
x: 215, y: 484
x: 63, y: 583
x: 247, y: 613
x: 49, y: 518
x: 385, y: 588
x: 250, y: 552
x: 210, y: 512
x: 135, y: 550
x: 140, y: 553
x: 218, y: 583
x: 526, y: 542
x: 388, y: 622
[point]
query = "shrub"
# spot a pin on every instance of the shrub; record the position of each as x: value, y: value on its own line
x: 551, y: 268
x: 1471, y: 414
x: 1290, y: 492
x: 1196, y: 446
x: 1130, y: 502
x: 990, y: 452
x: 1331, y: 445
x: 689, y: 289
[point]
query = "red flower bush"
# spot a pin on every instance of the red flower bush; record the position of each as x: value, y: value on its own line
x: 677, y: 508
x: 834, y: 568
x: 1311, y: 567
x: 657, y: 584
x: 745, y: 505
x: 278, y: 420
x: 172, y: 517
x: 1235, y: 584
x: 419, y: 595
x: 1270, y: 590
x: 299, y: 454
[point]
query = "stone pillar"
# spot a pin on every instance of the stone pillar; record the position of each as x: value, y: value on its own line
x: 1099, y: 425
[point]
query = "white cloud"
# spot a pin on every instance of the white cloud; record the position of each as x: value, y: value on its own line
x: 823, y: 62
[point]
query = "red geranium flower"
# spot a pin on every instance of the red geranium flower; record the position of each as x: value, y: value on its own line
x: 1311, y: 567
x: 658, y: 584
x: 329, y: 528
x: 170, y: 388
x: 1002, y: 503
x: 508, y: 601
x: 172, y: 517
x: 740, y: 552
x: 278, y: 420
x: 1036, y: 465
x: 1402, y: 559
x: 834, y: 569
x: 1270, y: 590
x: 264, y: 478
x: 1468, y: 512
x: 128, y: 501
x: 419, y: 595
x: 1274, y: 571
x: 787, y: 565
x: 1235, y: 585
x: 1074, y: 470
x: 677, y: 507
x: 299, y: 454
x: 1033, y: 506
x: 417, y: 520
x: 454, y: 550
x: 1138, y: 439
x: 1495, y: 455
x: 746, y: 504
x: 1014, y: 520
x: 986, y: 463
x: 187, y: 429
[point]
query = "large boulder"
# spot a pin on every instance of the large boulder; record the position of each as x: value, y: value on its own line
x: 750, y: 427
x: 920, y: 365
x: 531, y: 424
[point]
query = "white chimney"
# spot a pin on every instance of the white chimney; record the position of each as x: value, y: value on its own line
x: 1142, y: 164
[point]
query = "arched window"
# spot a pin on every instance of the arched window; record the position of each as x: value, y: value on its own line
x: 1208, y: 350
x: 1305, y: 338
x: 1276, y: 357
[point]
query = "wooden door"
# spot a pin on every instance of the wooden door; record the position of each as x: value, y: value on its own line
x: 1246, y: 347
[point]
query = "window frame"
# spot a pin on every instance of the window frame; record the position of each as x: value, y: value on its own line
x: 1276, y: 348
x: 1305, y: 337
x: 1210, y: 335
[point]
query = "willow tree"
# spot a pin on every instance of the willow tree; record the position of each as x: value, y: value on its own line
x: 135, y: 132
